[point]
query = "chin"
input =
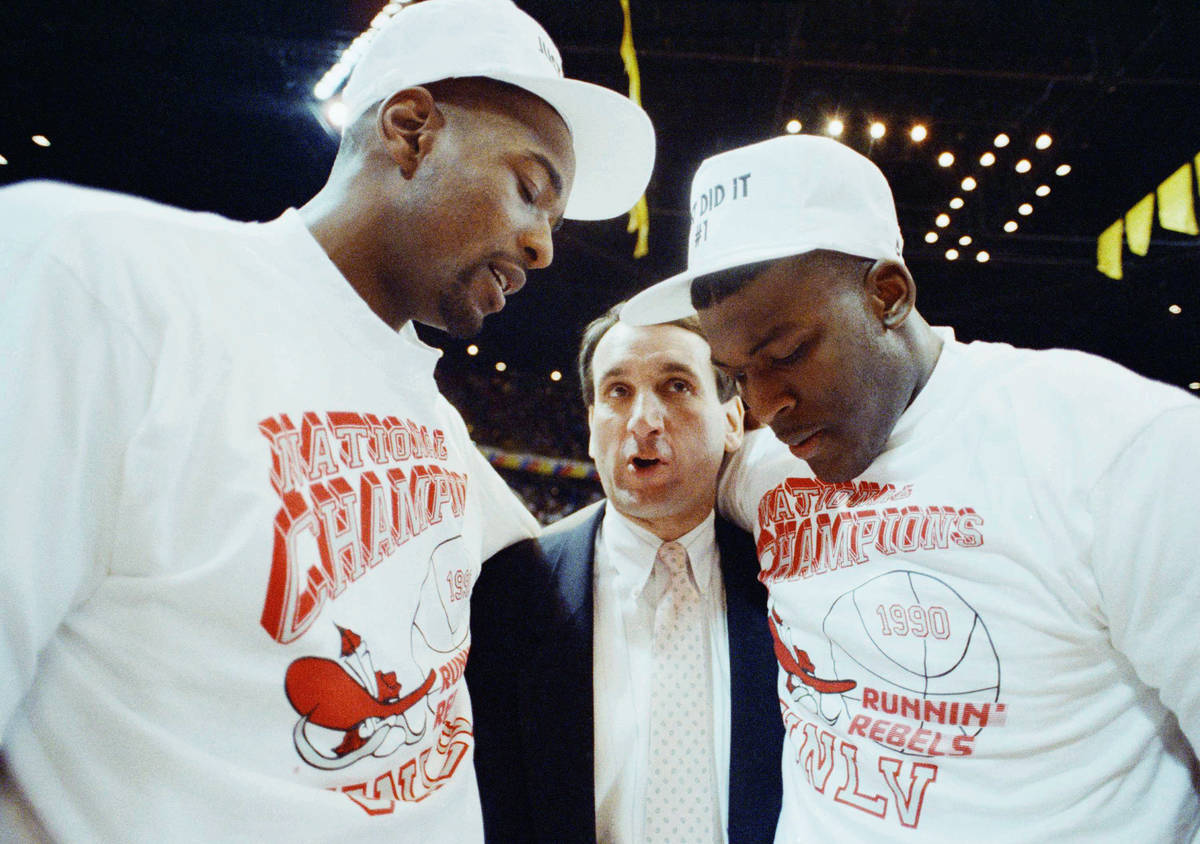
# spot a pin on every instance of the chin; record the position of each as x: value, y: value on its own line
x: 839, y: 471
x: 639, y: 506
x: 460, y: 323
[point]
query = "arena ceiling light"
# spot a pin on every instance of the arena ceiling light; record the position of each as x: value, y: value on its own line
x: 1024, y: 209
x: 1043, y: 190
x: 472, y: 350
x: 793, y: 126
x: 336, y: 112
x: 877, y: 130
x: 1043, y: 141
x: 1175, y: 309
x: 946, y: 159
x: 987, y: 159
x: 942, y: 221
x: 965, y: 240
x: 501, y: 366
x: 931, y: 237
x: 41, y: 140
x: 956, y: 203
x: 969, y: 183
x: 556, y: 375
x: 918, y: 133
x: 1062, y: 170
x: 3, y: 160
x: 951, y: 254
x: 333, y: 79
x: 1001, y: 141
x: 835, y: 127
x: 1023, y: 166
x: 1011, y: 226
x: 982, y: 256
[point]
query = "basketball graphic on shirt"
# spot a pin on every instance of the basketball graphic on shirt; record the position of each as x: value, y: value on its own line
x: 920, y: 652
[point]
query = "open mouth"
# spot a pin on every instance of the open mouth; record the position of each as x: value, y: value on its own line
x: 501, y: 279
x: 644, y: 462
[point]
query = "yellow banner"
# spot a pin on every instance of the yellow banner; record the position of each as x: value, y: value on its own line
x: 639, y: 216
x: 1139, y: 220
x: 1108, y: 250
x: 1176, y: 210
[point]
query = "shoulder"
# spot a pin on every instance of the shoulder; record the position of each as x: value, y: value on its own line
x: 35, y: 210
x: 579, y: 527
x: 1074, y: 391
x: 536, y: 558
x: 1068, y: 412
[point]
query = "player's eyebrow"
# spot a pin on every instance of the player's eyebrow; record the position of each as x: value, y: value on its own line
x: 770, y: 337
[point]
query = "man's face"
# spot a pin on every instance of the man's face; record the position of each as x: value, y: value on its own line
x: 813, y: 360
x: 489, y: 192
x: 658, y: 429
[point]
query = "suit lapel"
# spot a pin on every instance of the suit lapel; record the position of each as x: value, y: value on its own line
x: 756, y: 729
x: 558, y: 696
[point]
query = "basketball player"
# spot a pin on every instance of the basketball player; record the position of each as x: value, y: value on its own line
x: 241, y: 525
x: 982, y: 560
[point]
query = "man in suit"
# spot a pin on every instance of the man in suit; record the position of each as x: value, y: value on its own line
x: 620, y: 696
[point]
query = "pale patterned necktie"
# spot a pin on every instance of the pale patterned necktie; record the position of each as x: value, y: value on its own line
x: 681, y: 787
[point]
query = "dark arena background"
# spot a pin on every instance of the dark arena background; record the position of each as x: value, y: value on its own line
x: 1042, y: 124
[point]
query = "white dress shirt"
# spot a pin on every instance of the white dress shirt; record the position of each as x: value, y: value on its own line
x: 623, y: 654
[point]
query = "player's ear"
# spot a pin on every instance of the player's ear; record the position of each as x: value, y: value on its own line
x: 591, y: 411
x: 891, y: 292
x: 409, y: 121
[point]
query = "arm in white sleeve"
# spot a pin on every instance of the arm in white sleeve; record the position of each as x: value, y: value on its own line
x: 75, y: 383
x: 735, y: 496
x: 1146, y: 555
x: 505, y: 519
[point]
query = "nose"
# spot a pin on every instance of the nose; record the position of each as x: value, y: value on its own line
x: 646, y: 416
x: 537, y: 243
x: 766, y: 397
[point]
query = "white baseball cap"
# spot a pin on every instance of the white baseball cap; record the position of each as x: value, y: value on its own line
x: 774, y: 199
x: 442, y: 39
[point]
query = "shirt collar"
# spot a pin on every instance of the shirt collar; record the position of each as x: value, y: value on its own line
x: 631, y: 551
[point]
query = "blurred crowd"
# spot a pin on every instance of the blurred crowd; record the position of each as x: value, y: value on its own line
x: 528, y: 414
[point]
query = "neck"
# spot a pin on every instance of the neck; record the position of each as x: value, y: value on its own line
x: 668, y: 528
x: 340, y: 220
x: 925, y: 346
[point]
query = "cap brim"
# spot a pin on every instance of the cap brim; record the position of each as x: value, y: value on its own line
x: 613, y: 139
x: 669, y: 300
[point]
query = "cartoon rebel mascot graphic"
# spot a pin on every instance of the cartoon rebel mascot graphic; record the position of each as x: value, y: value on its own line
x: 803, y: 684
x: 366, y: 708
x: 352, y: 696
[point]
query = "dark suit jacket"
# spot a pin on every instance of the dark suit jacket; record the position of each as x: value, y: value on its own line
x: 530, y: 678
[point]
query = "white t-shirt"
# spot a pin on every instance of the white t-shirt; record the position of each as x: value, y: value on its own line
x: 240, y: 530
x: 990, y: 634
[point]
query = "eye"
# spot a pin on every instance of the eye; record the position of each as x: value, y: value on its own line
x: 527, y: 190
x: 678, y: 385
x: 791, y: 357
x: 616, y: 391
